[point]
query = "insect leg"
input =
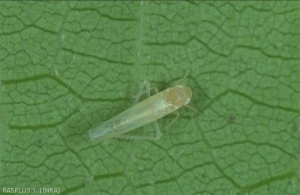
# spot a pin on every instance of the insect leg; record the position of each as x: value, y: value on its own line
x: 173, y: 121
x: 136, y: 97
x: 193, y: 109
x: 146, y: 85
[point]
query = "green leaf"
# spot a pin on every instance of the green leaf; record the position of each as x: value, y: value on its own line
x: 66, y: 66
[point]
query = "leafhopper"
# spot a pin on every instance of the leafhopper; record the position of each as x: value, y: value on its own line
x: 142, y: 113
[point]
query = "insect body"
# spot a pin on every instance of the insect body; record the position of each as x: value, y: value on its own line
x: 146, y: 111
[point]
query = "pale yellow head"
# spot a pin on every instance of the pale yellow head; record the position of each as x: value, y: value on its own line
x: 179, y: 95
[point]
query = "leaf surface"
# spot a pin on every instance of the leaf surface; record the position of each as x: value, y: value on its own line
x: 66, y: 66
